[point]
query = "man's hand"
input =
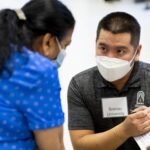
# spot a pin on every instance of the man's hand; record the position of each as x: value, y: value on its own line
x: 138, y: 122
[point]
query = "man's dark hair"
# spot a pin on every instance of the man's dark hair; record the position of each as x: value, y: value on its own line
x: 121, y: 22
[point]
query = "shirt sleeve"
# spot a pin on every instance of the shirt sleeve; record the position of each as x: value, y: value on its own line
x: 40, y: 104
x: 78, y: 114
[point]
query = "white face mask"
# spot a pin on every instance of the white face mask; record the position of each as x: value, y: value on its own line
x: 113, y: 69
x: 61, y: 55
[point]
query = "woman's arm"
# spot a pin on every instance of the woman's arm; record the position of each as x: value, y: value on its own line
x: 49, y: 139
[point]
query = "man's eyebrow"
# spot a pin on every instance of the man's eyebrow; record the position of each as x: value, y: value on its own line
x: 121, y: 47
x: 102, y: 44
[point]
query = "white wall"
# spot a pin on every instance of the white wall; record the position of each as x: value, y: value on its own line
x: 81, y: 52
x: 12, y: 3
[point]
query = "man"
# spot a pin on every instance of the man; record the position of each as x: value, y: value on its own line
x: 108, y: 103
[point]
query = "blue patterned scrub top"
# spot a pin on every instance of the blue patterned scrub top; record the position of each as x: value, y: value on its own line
x: 29, y: 99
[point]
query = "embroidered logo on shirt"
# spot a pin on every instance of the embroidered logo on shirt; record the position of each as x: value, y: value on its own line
x: 140, y: 99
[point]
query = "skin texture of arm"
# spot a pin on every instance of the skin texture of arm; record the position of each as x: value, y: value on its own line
x: 87, y: 140
x: 49, y: 139
x: 135, y: 124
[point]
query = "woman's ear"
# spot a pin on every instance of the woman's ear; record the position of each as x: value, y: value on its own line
x: 46, y: 45
x: 48, y: 42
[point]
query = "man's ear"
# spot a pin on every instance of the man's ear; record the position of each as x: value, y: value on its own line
x: 48, y: 42
x: 138, y: 52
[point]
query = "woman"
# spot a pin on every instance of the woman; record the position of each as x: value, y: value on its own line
x: 31, y: 49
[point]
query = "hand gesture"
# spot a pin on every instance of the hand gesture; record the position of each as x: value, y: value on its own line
x: 138, y: 122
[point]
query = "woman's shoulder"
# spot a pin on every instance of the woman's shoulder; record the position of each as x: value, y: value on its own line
x: 37, y: 62
x: 32, y: 68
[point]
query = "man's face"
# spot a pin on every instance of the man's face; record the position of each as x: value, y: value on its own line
x: 115, y: 45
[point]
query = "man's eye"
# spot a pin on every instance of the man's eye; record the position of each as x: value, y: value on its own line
x: 102, y: 48
x: 120, y: 51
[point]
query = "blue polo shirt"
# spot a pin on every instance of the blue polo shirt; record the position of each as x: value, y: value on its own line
x: 29, y: 99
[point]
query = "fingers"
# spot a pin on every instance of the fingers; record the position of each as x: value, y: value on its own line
x: 141, y: 112
x: 139, y: 121
x: 144, y: 127
x: 139, y: 109
x: 138, y: 115
x: 146, y: 124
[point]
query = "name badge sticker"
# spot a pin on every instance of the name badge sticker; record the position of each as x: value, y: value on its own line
x: 114, y: 107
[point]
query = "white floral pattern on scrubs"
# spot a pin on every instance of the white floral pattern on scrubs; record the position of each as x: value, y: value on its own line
x: 29, y: 99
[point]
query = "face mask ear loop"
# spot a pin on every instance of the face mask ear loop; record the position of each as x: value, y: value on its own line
x: 58, y: 43
x: 131, y: 61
